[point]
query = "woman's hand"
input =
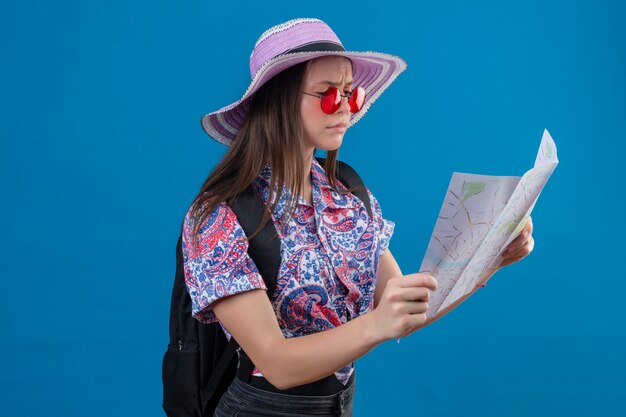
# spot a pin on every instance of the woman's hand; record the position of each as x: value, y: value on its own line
x: 402, y: 305
x: 519, y: 248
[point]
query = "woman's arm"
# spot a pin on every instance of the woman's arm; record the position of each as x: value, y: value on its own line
x: 285, y: 363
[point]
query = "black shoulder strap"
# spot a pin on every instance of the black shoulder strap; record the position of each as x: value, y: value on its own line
x: 264, y: 249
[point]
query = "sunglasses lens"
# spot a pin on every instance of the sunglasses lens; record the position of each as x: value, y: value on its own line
x: 331, y: 100
x: 357, y: 98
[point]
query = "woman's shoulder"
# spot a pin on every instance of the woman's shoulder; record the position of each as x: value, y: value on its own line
x: 206, y: 227
x: 215, y: 258
x: 207, y: 214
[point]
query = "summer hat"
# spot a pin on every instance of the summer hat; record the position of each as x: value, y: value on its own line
x: 291, y: 43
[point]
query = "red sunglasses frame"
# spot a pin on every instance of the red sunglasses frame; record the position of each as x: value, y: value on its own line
x: 331, y: 99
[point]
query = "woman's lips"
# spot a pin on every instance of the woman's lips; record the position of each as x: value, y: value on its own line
x: 339, y: 126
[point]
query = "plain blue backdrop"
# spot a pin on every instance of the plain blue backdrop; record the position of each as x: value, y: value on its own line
x: 102, y: 152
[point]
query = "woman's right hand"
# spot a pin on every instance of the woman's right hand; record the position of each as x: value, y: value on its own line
x: 403, y: 304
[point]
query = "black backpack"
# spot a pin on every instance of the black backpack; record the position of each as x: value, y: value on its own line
x: 200, y: 363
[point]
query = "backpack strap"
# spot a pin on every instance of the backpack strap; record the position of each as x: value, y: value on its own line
x: 264, y: 249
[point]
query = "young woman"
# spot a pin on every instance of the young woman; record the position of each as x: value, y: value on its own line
x: 339, y: 291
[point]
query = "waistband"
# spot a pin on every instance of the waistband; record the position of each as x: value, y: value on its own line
x: 340, y: 403
x: 325, y: 386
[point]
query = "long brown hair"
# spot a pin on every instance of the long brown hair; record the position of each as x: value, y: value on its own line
x: 272, y: 133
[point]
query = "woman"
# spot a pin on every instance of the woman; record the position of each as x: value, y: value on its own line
x: 339, y: 291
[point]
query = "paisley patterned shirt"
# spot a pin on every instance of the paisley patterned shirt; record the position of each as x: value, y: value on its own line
x: 329, y: 259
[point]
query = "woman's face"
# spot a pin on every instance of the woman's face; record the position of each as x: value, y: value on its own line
x: 321, y: 130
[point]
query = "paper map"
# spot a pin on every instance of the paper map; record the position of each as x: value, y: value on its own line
x: 479, y: 217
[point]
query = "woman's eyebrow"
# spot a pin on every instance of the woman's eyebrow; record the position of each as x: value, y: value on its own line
x: 332, y: 83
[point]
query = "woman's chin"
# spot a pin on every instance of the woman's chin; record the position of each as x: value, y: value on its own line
x: 328, y: 142
x: 333, y: 143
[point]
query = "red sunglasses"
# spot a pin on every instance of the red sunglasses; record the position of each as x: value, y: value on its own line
x: 331, y: 99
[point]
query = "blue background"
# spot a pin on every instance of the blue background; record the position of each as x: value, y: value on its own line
x: 102, y: 152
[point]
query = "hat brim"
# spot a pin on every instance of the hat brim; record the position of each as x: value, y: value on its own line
x: 374, y: 71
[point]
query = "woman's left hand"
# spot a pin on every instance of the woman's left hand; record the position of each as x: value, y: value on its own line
x: 519, y: 248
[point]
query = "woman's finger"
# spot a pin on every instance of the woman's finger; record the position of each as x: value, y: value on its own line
x: 519, y: 242
x: 522, y: 251
x: 413, y: 307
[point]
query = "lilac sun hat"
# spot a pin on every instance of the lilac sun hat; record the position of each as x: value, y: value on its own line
x: 291, y: 43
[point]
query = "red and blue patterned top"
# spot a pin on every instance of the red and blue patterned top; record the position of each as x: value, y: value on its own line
x: 329, y: 259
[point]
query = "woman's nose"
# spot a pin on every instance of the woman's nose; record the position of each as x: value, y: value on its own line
x: 343, y: 105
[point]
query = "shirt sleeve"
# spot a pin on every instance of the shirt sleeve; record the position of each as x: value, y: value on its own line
x: 217, y: 265
x: 384, y: 227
